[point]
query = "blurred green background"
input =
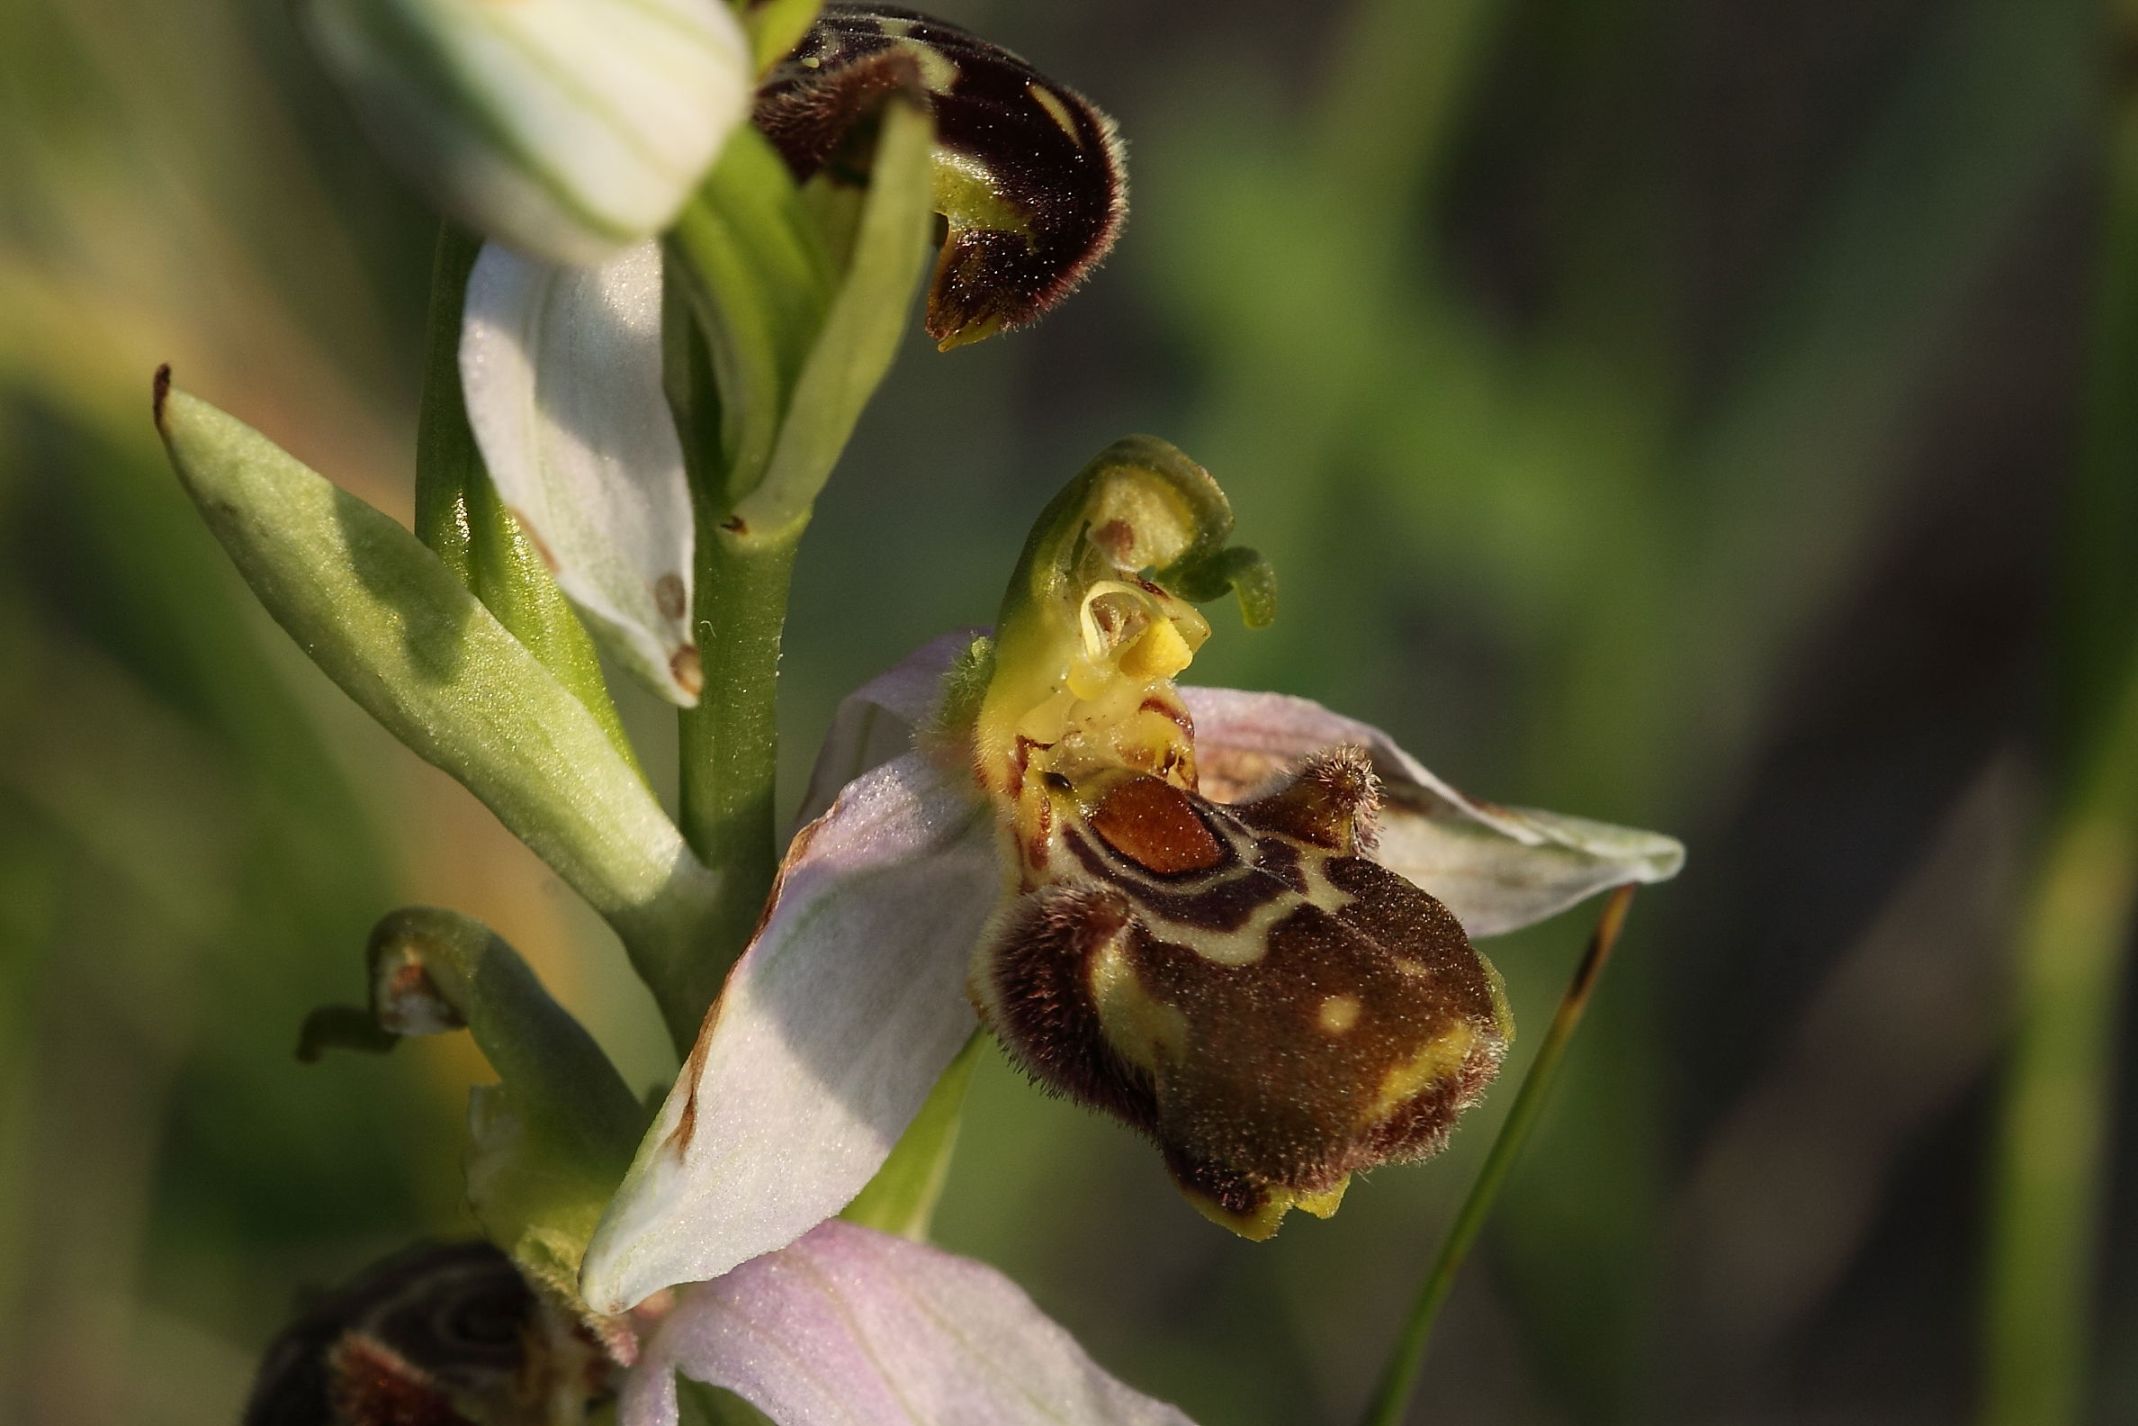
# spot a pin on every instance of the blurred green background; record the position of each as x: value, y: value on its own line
x: 1662, y: 410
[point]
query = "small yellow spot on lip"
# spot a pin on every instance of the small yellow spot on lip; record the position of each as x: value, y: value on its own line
x: 1048, y: 100
x: 1338, y: 1013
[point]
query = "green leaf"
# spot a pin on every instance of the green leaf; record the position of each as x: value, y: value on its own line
x: 389, y: 623
x: 459, y: 515
x: 748, y: 257
x: 901, y: 1198
x: 861, y: 329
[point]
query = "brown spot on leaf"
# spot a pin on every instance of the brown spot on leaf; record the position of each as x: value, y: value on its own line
x: 160, y: 392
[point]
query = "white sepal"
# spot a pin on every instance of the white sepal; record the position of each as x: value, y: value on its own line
x: 834, y: 1024
x: 562, y: 371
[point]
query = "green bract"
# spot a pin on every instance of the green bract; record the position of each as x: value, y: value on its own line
x: 389, y: 623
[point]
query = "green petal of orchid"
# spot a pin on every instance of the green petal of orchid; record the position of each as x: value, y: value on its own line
x: 562, y: 369
x: 850, y: 1327
x: 1497, y: 868
x: 567, y: 128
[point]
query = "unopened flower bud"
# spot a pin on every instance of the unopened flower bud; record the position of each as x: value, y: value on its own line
x: 566, y: 128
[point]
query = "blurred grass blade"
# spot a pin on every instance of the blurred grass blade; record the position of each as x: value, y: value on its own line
x: 459, y: 515
x: 901, y: 1198
x: 1399, y: 1378
x: 2072, y: 943
x: 2052, y: 1167
x: 389, y: 623
x: 862, y: 326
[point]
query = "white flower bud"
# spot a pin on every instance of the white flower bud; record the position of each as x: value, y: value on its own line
x: 568, y: 129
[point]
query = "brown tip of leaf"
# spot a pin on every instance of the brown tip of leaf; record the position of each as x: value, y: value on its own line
x: 689, y: 673
x: 161, y: 390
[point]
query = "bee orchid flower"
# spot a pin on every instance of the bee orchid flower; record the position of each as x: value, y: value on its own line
x: 1236, y: 921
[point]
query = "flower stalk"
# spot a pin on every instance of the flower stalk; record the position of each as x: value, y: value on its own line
x: 1399, y: 1378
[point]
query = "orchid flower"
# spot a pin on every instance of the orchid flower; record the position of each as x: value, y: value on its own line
x: 1237, y: 921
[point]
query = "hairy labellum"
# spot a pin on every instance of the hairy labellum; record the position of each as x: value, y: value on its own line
x: 1241, y: 983
x: 1028, y: 174
x: 439, y: 1335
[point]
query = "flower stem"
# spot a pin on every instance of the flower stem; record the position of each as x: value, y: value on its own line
x: 729, y: 743
x: 1399, y: 1378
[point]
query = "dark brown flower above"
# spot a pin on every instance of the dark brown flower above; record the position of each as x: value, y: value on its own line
x: 1028, y: 174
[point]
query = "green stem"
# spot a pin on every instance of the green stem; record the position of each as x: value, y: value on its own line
x: 2050, y: 1172
x: 446, y: 456
x: 1399, y: 1378
x: 729, y: 743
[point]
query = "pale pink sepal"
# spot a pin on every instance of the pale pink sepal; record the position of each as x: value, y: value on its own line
x: 877, y: 721
x: 1497, y: 868
x: 851, y: 1327
x: 832, y: 1028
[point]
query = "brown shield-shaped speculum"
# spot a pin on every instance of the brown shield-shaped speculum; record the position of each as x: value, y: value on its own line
x: 1241, y: 982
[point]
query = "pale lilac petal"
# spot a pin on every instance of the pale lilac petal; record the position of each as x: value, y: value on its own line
x: 832, y: 1028
x: 851, y: 1327
x: 562, y: 371
x: 876, y: 722
x: 1497, y: 868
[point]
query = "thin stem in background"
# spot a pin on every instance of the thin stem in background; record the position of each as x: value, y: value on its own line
x: 2072, y: 941
x: 1391, y: 1396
